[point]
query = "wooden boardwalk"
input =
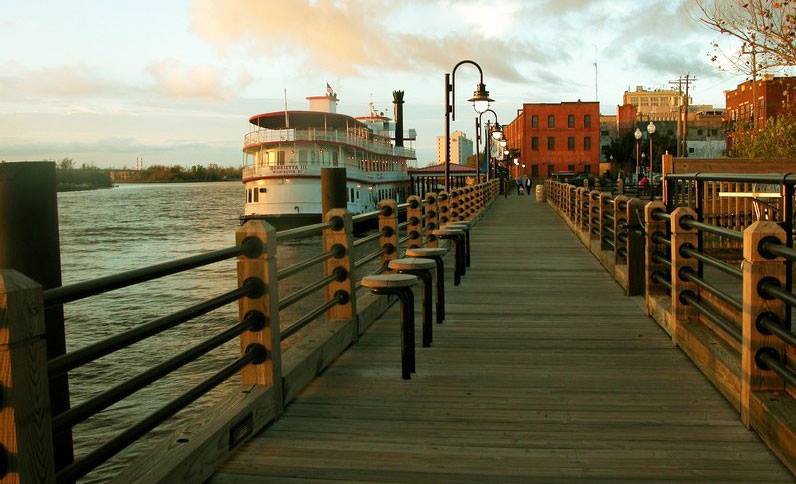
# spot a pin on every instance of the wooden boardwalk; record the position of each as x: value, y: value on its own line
x: 543, y: 371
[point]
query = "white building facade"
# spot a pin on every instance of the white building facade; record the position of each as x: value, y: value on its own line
x: 461, y: 148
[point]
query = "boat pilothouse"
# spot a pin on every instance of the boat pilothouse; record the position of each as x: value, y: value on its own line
x: 284, y: 152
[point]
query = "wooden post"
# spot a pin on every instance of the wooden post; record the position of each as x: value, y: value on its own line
x: 26, y: 441
x: 634, y: 214
x: 680, y: 237
x: 388, y: 227
x: 340, y: 234
x: 620, y: 186
x: 757, y: 267
x: 654, y: 227
x: 573, y: 205
x: 454, y: 203
x: 605, y: 200
x: 620, y: 219
x: 414, y: 222
x: 334, y: 193
x: 444, y: 210
x: 594, y: 215
x: 29, y: 243
x: 262, y: 267
x: 431, y: 220
x: 580, y: 198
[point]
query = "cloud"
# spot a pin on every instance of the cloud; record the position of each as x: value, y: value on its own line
x: 674, y: 61
x: 351, y: 37
x: 64, y: 81
x: 176, y: 79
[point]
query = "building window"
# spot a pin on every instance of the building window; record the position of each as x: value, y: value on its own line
x: 534, y: 121
x: 587, y: 121
x: 587, y: 143
x: 551, y: 143
x: 535, y: 143
x: 570, y: 121
x: 551, y: 121
x: 586, y: 168
x: 549, y: 170
x: 571, y: 143
x: 571, y: 168
x: 535, y: 171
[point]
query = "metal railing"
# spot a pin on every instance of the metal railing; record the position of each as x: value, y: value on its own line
x: 258, y: 326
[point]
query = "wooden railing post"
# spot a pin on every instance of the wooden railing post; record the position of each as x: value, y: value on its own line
x: 388, y: 227
x: 340, y: 237
x: 634, y: 214
x: 619, y: 227
x: 620, y: 186
x: 261, y: 266
x: 653, y: 227
x: 594, y: 215
x: 681, y: 236
x: 414, y: 222
x: 580, y: 199
x: 453, y: 205
x: 757, y: 267
x: 431, y: 220
x: 573, y: 205
x: 26, y: 441
x: 605, y: 200
x: 443, y: 202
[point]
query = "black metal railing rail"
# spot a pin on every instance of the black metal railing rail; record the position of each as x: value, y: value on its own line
x: 688, y: 251
x: 249, y: 248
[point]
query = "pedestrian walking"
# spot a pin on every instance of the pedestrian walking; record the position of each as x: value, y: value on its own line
x: 528, y: 186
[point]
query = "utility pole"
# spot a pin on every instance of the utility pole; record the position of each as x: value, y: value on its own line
x: 688, y: 81
x: 680, y: 103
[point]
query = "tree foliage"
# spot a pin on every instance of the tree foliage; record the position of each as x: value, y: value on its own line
x: 766, y: 26
x: 777, y: 139
x: 623, y: 150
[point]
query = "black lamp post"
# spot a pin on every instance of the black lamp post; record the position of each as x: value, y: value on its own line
x: 480, y: 102
x: 495, y: 133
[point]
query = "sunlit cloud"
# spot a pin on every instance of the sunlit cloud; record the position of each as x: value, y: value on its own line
x: 353, y: 37
x: 180, y: 80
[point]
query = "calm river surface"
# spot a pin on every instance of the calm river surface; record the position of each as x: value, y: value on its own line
x: 108, y: 231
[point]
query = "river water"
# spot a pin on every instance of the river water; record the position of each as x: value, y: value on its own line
x: 130, y: 226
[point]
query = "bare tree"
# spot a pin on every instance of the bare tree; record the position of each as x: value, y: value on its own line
x: 765, y: 28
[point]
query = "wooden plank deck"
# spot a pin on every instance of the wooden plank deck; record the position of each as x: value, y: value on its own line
x: 543, y: 371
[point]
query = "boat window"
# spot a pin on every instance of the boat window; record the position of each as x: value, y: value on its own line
x: 313, y: 156
x: 255, y: 195
x: 351, y: 194
x: 302, y: 154
x: 263, y: 189
x: 249, y: 196
x: 280, y: 157
x: 358, y: 194
x: 334, y: 158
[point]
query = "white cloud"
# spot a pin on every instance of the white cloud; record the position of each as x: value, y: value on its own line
x: 176, y: 79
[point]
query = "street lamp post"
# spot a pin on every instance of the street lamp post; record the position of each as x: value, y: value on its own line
x: 637, y: 134
x: 494, y: 133
x: 480, y: 102
x: 651, y: 131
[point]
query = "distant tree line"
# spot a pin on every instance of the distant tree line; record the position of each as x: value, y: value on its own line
x: 69, y: 178
x: 196, y: 173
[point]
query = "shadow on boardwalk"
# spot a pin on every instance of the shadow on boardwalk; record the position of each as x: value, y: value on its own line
x: 543, y: 371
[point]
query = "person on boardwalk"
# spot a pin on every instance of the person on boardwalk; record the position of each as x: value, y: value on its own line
x: 528, y: 186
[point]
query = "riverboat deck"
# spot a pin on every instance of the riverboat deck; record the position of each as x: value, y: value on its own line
x: 542, y: 371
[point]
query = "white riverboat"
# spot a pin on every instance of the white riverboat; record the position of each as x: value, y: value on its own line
x: 285, y: 150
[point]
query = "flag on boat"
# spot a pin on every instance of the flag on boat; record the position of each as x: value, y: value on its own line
x: 329, y: 90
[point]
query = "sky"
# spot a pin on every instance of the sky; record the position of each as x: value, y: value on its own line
x: 174, y: 82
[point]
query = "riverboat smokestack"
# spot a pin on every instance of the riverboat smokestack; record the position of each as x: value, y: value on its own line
x: 398, y: 102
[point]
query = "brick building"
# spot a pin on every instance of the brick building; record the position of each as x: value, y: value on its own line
x: 556, y: 138
x: 773, y: 98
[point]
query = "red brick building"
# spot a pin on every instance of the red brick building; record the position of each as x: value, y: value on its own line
x: 556, y: 138
x: 775, y: 96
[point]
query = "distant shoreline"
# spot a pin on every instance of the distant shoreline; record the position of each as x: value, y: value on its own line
x: 148, y: 182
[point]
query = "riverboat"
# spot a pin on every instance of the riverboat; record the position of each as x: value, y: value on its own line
x: 284, y: 152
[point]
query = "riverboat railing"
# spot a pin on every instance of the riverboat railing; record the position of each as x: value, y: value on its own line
x: 370, y: 144
x: 27, y: 444
x: 728, y: 310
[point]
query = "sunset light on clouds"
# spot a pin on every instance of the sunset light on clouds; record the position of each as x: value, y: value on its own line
x: 106, y: 82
